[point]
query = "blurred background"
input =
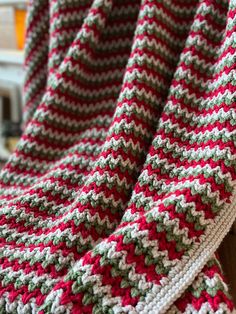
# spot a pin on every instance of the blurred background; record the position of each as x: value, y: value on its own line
x: 12, y: 37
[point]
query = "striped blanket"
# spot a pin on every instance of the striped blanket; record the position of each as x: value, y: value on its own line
x: 123, y: 184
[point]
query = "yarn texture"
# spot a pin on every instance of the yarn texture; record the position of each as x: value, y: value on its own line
x: 123, y: 184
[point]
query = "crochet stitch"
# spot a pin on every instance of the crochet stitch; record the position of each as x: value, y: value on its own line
x: 123, y: 184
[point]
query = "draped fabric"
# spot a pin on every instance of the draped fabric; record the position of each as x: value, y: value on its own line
x: 123, y: 184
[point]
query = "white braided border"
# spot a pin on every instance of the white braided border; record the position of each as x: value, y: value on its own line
x: 158, y: 302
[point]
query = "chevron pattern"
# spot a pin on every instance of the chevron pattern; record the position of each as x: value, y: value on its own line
x: 123, y: 184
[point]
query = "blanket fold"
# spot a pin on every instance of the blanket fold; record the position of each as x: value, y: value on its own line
x: 122, y: 186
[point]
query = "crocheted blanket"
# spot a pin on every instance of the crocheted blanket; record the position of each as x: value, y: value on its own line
x: 123, y: 184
